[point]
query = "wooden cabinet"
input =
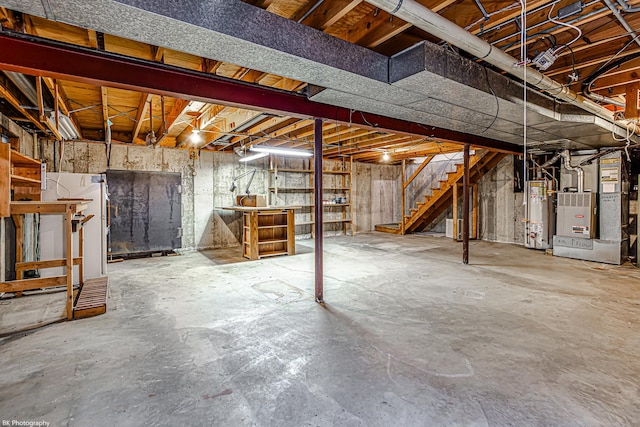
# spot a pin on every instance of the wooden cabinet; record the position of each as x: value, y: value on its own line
x: 21, y: 178
x: 267, y: 231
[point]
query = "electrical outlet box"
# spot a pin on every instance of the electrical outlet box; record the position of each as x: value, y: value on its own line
x: 572, y: 9
x: 544, y: 60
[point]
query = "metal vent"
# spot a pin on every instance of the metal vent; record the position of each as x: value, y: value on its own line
x: 577, y: 200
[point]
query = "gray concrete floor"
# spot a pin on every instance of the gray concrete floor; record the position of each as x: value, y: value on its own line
x: 409, y: 336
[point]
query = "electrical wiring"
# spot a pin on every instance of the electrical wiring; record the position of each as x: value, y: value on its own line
x: 617, y: 53
x: 60, y: 185
x: 627, y: 139
x: 573, y: 27
x: 486, y: 75
x: 523, y: 58
x: 483, y: 19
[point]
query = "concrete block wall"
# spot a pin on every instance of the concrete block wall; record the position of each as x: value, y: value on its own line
x: 206, y: 182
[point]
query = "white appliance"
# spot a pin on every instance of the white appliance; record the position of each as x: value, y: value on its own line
x: 76, y: 186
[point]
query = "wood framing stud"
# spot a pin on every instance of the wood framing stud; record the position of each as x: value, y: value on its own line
x: 631, y: 104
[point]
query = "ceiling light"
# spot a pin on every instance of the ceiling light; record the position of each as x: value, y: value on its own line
x: 195, y: 131
x: 385, y: 156
x: 254, y: 157
x: 195, y: 137
x: 281, y: 151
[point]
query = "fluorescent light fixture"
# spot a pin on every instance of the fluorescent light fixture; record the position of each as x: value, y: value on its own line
x: 66, y: 126
x: 385, y: 156
x: 281, y: 151
x: 254, y: 157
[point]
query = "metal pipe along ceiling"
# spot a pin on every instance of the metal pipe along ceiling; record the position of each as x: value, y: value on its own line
x: 423, y: 18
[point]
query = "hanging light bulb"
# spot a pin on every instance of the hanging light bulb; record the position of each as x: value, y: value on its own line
x: 385, y: 156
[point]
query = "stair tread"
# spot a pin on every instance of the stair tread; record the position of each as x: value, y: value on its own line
x: 434, y: 202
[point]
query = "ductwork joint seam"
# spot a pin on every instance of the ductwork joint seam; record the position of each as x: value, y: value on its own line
x: 397, y: 8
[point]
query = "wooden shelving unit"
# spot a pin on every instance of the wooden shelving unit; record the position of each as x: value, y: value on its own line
x: 267, y: 231
x: 340, y: 189
x: 21, y: 178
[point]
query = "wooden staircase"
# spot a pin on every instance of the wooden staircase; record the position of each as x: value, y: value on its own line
x: 442, y: 197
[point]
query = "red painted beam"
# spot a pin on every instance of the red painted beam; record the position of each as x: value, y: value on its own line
x: 40, y: 57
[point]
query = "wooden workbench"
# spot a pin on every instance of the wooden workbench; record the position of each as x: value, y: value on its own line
x: 68, y: 208
x: 267, y: 231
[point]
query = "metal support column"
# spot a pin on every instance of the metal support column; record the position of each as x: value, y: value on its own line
x: 317, y: 207
x: 465, y: 207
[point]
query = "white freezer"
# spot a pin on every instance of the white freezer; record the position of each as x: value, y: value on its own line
x: 76, y: 185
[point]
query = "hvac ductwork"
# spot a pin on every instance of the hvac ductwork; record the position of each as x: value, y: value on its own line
x: 423, y: 18
x: 566, y: 155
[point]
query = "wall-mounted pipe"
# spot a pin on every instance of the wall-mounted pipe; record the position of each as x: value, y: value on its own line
x: 566, y: 154
x: 551, y: 160
x: 429, y: 21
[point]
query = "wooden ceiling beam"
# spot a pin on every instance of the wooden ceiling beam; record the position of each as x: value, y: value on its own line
x: 299, y: 125
x: 299, y: 138
x: 62, y: 104
x: 592, y: 62
x: 501, y: 18
x: 15, y: 103
x: 631, y: 105
x: 143, y: 107
x: 375, y: 28
x: 267, y: 126
x: 373, y: 143
x: 620, y: 79
x: 157, y: 53
x: 104, y: 97
x: 563, y: 34
x: 329, y: 12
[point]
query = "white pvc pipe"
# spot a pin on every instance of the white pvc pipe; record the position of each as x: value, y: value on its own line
x: 429, y: 21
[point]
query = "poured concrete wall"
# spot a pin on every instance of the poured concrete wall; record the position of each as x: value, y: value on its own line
x: 426, y: 181
x: 206, y: 182
x: 378, y: 195
x: 501, y: 209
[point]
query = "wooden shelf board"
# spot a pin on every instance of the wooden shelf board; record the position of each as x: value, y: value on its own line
x: 326, y: 221
x: 261, y: 227
x: 22, y: 180
x: 266, y: 242
x: 328, y: 204
x: 271, y: 253
x: 20, y: 159
x: 310, y: 189
x: 311, y: 171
